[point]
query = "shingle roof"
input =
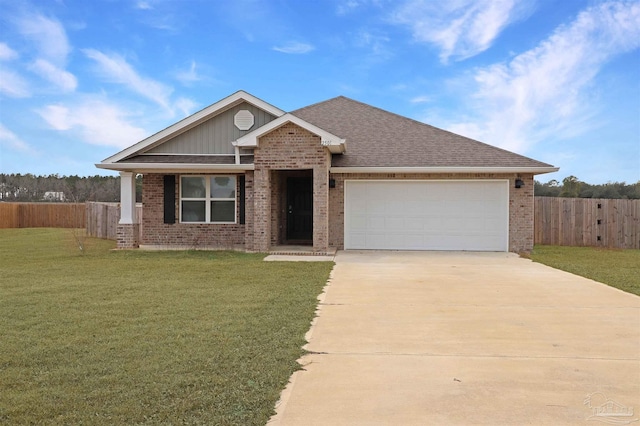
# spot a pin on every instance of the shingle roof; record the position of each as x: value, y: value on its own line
x: 378, y: 138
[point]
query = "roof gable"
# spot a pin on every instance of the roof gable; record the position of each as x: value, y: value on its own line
x: 192, y: 121
x: 334, y: 143
x: 378, y: 138
x: 213, y: 136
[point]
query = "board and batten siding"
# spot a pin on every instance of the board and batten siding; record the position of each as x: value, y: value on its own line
x: 213, y: 136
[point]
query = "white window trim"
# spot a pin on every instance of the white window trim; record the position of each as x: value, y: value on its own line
x: 207, y: 199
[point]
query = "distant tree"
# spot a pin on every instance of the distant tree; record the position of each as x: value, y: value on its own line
x: 549, y: 189
x: 573, y: 187
x: 570, y: 187
x: 28, y: 187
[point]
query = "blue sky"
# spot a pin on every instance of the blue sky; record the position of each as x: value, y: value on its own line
x: 558, y: 81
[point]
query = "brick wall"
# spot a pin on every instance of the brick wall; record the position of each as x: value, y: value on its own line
x: 186, y: 235
x: 521, y: 215
x: 278, y: 216
x: 249, y: 209
x: 261, y: 232
x: 289, y: 147
x: 127, y: 235
x: 520, y: 204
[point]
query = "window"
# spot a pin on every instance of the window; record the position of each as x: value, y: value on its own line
x: 208, y: 199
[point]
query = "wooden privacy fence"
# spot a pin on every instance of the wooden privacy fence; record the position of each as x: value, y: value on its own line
x: 42, y: 215
x: 102, y: 219
x: 587, y: 222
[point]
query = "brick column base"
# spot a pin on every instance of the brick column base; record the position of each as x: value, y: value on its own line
x: 128, y: 235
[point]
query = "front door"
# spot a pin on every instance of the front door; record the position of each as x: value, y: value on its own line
x: 300, y: 210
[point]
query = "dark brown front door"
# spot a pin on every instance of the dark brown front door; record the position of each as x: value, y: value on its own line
x: 300, y: 210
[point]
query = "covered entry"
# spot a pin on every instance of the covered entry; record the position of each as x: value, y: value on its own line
x: 294, y: 207
x: 427, y: 215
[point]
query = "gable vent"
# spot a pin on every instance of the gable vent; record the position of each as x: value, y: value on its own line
x: 243, y: 119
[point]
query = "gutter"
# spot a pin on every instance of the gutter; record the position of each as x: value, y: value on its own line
x: 175, y: 167
x: 534, y: 170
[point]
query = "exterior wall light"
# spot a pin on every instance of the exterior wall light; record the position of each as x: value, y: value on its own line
x: 519, y: 183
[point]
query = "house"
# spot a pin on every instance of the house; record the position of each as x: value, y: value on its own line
x: 54, y: 196
x: 242, y: 173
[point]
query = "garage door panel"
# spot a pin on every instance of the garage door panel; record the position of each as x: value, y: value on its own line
x: 359, y: 222
x: 396, y: 223
x: 358, y: 239
x: 375, y: 240
x: 426, y: 215
x: 470, y: 226
x: 415, y: 223
x: 375, y: 222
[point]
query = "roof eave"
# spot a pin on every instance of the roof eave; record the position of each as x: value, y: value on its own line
x: 192, y: 120
x: 533, y: 170
x: 175, y: 167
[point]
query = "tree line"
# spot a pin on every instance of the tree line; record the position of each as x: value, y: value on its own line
x: 56, y: 188
x: 572, y: 187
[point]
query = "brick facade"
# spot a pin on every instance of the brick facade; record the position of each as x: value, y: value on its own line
x: 127, y: 235
x: 288, y: 148
x: 520, y: 204
x: 266, y: 228
x: 186, y: 235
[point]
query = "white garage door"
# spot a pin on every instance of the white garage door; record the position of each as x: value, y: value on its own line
x: 427, y: 215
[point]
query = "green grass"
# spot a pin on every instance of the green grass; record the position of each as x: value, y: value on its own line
x: 130, y: 337
x: 617, y: 268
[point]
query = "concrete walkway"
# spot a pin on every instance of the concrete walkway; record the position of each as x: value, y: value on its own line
x: 407, y: 338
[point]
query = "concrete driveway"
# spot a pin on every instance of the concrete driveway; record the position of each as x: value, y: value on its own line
x: 408, y: 338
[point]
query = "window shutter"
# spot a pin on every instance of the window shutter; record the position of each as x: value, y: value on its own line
x: 169, y: 198
x: 241, y: 195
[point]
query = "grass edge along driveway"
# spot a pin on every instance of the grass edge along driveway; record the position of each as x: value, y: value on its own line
x: 615, y: 267
x: 132, y: 337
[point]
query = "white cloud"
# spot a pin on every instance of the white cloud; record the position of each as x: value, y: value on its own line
x: 185, y: 106
x: 57, y: 116
x: 116, y: 69
x: 64, y: 80
x: 294, y: 47
x: 377, y: 44
x: 143, y: 5
x: 190, y: 75
x: 348, y: 6
x: 97, y: 121
x: 420, y: 99
x: 12, y: 141
x: 544, y: 92
x: 13, y: 85
x: 52, y: 46
x: 462, y: 28
x: 48, y: 35
x: 7, y: 53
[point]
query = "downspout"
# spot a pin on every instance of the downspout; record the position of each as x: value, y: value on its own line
x: 237, y: 154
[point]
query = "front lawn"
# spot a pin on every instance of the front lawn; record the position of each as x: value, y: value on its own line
x: 130, y: 337
x: 617, y: 268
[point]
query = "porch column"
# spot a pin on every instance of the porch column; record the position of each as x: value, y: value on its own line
x: 261, y: 209
x: 127, y: 198
x: 128, y: 226
x: 321, y: 208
